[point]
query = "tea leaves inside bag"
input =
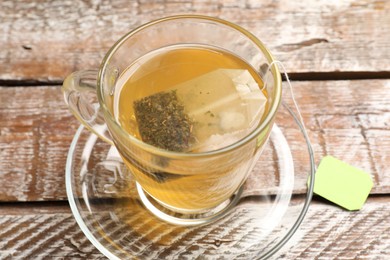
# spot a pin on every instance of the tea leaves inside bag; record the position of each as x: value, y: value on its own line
x: 162, y: 121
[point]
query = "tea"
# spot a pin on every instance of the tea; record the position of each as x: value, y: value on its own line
x: 190, y: 99
x: 216, y: 94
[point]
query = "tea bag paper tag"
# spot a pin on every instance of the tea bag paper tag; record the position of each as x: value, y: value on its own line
x: 342, y: 183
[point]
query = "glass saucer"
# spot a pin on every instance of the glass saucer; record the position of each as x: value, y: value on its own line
x: 272, y: 204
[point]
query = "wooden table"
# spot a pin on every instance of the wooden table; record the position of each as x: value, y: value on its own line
x: 336, y: 52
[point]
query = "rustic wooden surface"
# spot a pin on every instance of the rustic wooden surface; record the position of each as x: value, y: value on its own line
x: 47, y: 41
x: 327, y: 232
x: 340, y: 50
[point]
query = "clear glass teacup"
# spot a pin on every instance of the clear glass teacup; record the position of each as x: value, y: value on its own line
x: 192, y: 185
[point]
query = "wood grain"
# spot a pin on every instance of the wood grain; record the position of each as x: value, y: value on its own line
x: 43, y: 235
x: 327, y: 232
x: 35, y: 134
x: 43, y: 41
x: 332, y: 233
x: 346, y: 119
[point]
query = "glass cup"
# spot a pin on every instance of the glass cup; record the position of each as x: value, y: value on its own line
x: 179, y: 187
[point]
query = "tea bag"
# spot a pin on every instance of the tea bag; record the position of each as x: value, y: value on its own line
x: 205, y: 113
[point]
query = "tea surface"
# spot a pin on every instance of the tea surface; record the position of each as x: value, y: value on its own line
x: 189, y: 98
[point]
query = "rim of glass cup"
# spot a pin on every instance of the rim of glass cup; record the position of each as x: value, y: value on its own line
x: 162, y: 152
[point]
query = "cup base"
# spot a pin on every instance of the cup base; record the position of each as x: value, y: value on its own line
x: 190, y: 218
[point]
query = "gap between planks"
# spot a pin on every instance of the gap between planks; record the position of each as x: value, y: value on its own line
x: 300, y: 76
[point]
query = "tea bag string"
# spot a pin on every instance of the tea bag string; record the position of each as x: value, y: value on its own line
x: 275, y: 63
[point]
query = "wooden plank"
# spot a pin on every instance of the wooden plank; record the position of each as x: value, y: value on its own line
x: 35, y: 134
x: 327, y: 232
x: 342, y: 119
x: 44, y: 235
x: 45, y: 41
x: 349, y: 120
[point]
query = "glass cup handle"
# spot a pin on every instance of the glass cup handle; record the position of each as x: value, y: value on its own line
x: 79, y: 89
